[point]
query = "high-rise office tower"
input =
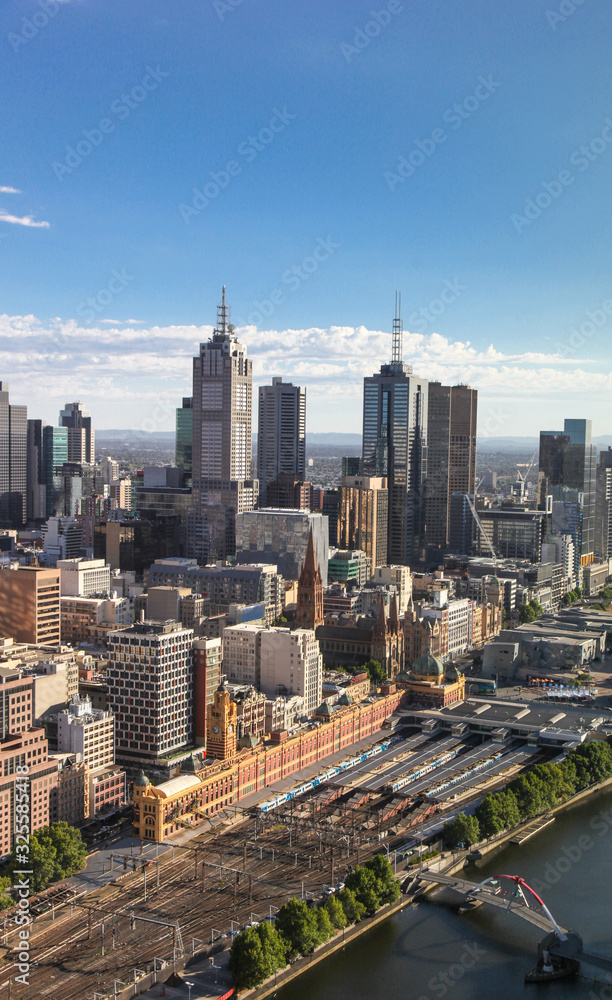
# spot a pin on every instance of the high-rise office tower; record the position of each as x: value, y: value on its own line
x: 395, y: 446
x: 222, y: 446
x: 451, y: 456
x: 568, y: 464
x: 13, y: 461
x: 183, y: 449
x: 55, y: 456
x: 36, y: 495
x: 81, y: 436
x: 363, y: 516
x: 281, y: 433
x: 603, y: 506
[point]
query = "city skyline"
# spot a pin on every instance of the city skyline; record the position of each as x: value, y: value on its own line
x: 141, y: 390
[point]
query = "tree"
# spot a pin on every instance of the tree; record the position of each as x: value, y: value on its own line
x: 247, y: 961
x: 462, y: 830
x: 387, y: 886
x: 376, y: 671
x: 274, y: 948
x: 70, y: 849
x: 6, y: 901
x: 353, y: 909
x: 335, y: 912
x: 363, y: 882
x: 298, y: 926
x: 526, y: 614
x: 325, y: 929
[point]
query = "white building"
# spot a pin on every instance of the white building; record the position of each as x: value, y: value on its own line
x: 150, y: 690
x: 84, y: 577
x: 291, y: 663
x: 88, y: 731
x: 399, y: 576
x: 457, y: 616
x: 560, y: 549
x: 62, y: 539
x: 241, y: 653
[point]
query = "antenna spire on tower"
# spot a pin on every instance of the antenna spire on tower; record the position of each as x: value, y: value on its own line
x: 223, y: 316
x: 398, y: 329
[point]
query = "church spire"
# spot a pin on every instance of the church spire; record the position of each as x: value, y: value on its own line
x: 309, y: 612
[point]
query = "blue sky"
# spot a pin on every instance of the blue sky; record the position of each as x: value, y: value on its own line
x: 161, y: 150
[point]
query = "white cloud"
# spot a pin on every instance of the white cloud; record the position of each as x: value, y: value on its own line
x: 25, y: 220
x: 9, y: 190
x: 122, y: 373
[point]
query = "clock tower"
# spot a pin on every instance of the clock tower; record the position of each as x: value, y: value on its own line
x: 221, y: 720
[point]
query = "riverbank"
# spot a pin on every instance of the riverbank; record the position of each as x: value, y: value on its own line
x: 448, y: 864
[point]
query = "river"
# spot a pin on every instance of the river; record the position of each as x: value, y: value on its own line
x: 430, y: 951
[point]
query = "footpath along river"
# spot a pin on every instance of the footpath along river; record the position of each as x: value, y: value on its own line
x: 428, y: 950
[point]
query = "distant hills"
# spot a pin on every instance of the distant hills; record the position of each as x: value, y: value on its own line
x: 488, y: 445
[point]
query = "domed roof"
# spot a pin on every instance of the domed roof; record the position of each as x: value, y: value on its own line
x: 345, y: 699
x: 141, y: 779
x: 427, y: 665
x: 323, y: 709
x: 453, y: 673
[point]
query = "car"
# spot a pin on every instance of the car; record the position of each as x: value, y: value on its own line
x: 329, y: 891
x: 339, y: 887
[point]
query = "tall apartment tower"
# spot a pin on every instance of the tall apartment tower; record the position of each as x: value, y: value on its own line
x: 150, y: 691
x: 221, y: 481
x: 451, y: 456
x: 281, y: 434
x: 81, y: 436
x: 603, y: 506
x: 363, y: 517
x: 13, y: 461
x: 395, y: 447
x: 568, y: 471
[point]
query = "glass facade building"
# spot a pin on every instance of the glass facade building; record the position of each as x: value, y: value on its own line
x: 281, y: 434
x: 183, y: 450
x: 395, y: 447
x: 13, y: 461
x: 568, y: 473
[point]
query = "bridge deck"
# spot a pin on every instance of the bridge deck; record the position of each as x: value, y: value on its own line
x: 466, y: 888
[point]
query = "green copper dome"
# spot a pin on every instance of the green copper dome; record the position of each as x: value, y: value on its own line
x: 427, y: 665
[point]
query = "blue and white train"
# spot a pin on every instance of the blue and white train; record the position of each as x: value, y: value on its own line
x: 320, y: 779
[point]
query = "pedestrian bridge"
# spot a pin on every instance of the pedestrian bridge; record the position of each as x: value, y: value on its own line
x: 507, y: 892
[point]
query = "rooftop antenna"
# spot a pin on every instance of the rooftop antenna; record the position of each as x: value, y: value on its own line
x: 398, y: 329
x: 223, y: 316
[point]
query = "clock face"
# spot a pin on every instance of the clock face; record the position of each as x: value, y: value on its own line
x: 215, y: 729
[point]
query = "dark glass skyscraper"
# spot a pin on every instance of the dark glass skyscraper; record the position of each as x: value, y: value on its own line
x: 183, y: 450
x: 55, y: 455
x: 281, y: 434
x: 568, y: 464
x: 395, y: 446
x: 451, y: 457
x: 13, y: 461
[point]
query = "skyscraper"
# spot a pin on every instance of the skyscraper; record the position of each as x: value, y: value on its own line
x: 281, y: 434
x: 395, y: 446
x: 603, y: 506
x: 183, y: 450
x: 55, y: 456
x: 36, y: 496
x: 13, y: 461
x: 568, y: 464
x: 221, y: 479
x: 451, y: 456
x: 81, y: 436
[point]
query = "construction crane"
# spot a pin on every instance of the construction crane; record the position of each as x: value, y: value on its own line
x: 481, y: 528
x: 522, y: 479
